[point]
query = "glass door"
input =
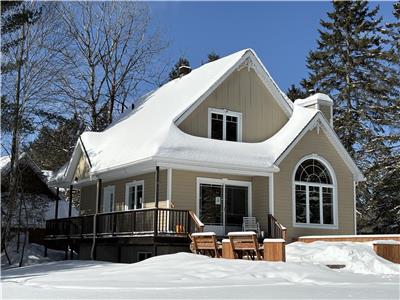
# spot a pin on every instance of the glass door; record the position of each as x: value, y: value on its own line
x: 108, y: 199
x: 211, y: 206
x: 223, y: 206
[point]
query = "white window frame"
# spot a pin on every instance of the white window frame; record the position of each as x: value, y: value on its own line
x: 225, y: 113
x: 135, y: 184
x: 335, y: 224
x: 112, y: 189
x: 224, y: 181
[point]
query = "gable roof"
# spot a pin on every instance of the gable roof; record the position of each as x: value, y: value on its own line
x: 150, y: 133
x: 24, y: 161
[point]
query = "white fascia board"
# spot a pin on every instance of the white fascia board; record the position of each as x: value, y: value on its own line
x: 261, y: 71
x: 215, y: 168
x: 122, y: 171
x: 79, y: 150
x: 68, y: 174
x: 332, y: 137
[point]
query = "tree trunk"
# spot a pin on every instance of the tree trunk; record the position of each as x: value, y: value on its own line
x: 21, y: 261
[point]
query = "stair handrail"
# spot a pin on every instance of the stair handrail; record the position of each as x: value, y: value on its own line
x: 276, y: 229
x: 198, y: 224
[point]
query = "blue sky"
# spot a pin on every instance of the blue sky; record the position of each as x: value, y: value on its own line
x: 281, y: 33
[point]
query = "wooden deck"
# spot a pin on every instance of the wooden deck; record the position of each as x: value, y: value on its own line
x: 142, y: 222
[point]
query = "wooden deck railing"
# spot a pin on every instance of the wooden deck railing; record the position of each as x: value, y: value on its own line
x: 275, y: 229
x: 155, y: 221
x: 199, y: 226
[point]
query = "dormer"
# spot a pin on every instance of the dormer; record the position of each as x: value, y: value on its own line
x: 241, y: 109
x: 319, y: 101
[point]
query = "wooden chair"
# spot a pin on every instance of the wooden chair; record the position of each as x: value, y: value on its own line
x: 206, y: 243
x: 245, y: 243
x: 251, y: 224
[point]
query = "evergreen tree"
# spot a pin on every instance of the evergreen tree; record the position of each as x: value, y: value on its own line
x: 393, y: 32
x: 295, y: 92
x: 212, y: 56
x: 175, y: 71
x: 353, y: 65
x: 59, y: 140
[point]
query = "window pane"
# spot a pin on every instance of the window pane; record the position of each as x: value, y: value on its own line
x: 131, y: 197
x: 327, y: 198
x: 139, y: 196
x: 300, y: 204
x: 313, y: 193
x: 311, y: 170
x: 231, y: 128
x: 236, y: 204
x: 216, y: 126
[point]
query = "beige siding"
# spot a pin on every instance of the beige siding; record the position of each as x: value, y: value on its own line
x: 326, y: 111
x: 82, y: 169
x: 242, y: 92
x: 88, y: 194
x: 260, y: 191
x: 311, y: 143
x: 184, y: 191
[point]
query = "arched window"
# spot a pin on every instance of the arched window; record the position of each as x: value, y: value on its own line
x: 314, y: 191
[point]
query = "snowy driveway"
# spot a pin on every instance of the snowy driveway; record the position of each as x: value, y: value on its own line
x: 191, y: 276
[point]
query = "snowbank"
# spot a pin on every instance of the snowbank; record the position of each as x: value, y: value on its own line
x: 190, y: 276
x: 358, y: 257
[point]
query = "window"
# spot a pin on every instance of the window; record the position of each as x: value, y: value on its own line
x: 314, y: 190
x: 134, y: 195
x: 143, y: 255
x: 224, y: 125
x: 107, y: 205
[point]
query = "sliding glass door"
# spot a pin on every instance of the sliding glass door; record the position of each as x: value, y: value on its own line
x: 223, y: 204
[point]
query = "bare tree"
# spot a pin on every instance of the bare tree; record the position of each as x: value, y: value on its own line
x: 28, y: 94
x: 112, y: 47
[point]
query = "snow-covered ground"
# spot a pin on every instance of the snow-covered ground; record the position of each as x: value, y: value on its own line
x: 33, y: 254
x: 188, y: 276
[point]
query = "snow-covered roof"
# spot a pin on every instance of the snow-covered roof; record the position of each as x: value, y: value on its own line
x: 150, y: 132
x: 5, y: 165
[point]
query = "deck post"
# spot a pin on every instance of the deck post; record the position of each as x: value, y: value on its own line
x: 157, y: 185
x: 274, y: 250
x: 97, y: 206
x: 57, y: 198
x: 156, y: 208
x: 70, y: 201
x: 69, y: 221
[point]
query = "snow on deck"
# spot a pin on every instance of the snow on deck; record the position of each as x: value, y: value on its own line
x: 357, y: 257
x: 190, y: 276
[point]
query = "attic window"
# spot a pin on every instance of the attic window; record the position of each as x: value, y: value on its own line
x: 224, y: 125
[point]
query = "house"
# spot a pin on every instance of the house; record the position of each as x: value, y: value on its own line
x: 41, y: 200
x: 217, y: 144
